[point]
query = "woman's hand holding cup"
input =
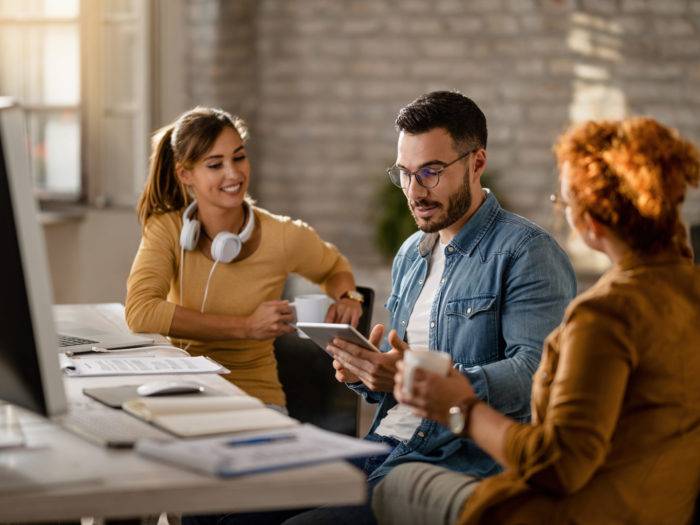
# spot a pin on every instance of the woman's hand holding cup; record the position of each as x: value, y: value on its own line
x: 430, y: 385
x: 269, y: 320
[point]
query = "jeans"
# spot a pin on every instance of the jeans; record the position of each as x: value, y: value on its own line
x: 350, y: 514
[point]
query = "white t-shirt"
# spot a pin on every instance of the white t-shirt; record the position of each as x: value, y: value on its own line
x: 399, y: 422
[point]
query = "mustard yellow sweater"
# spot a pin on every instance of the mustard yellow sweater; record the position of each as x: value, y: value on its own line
x: 153, y: 289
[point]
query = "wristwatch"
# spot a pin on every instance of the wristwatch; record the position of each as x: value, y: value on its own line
x: 353, y: 295
x: 458, y: 415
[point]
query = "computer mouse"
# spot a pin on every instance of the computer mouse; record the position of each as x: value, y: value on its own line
x: 164, y: 388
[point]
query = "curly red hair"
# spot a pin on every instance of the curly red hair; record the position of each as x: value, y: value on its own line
x: 631, y: 175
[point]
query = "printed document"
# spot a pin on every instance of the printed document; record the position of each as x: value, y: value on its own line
x: 128, y: 366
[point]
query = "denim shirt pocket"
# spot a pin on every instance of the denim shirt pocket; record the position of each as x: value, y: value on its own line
x: 391, y: 303
x: 472, y: 330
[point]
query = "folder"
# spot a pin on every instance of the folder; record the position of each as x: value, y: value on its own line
x: 260, y: 452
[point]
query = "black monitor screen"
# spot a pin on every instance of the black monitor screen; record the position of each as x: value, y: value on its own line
x: 20, y: 377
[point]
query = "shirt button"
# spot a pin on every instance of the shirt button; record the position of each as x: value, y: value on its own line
x: 469, y: 310
x: 432, y: 325
x: 420, y: 282
x: 442, y: 281
x: 450, y: 249
x: 403, y: 323
x: 421, y: 434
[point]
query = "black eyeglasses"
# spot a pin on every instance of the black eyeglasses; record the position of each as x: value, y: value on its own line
x: 427, y: 176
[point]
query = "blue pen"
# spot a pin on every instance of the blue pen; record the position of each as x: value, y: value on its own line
x: 260, y: 440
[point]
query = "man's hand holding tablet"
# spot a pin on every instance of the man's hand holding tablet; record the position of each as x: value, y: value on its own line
x: 323, y: 334
x: 357, y: 362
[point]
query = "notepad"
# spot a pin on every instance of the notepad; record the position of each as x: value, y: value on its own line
x: 203, y: 416
x: 144, y: 365
x: 260, y: 452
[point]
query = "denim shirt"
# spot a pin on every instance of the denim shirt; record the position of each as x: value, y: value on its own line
x: 505, y: 286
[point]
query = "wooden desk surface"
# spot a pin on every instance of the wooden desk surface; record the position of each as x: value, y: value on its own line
x: 60, y: 476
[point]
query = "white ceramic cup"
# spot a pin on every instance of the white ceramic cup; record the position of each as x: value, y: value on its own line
x: 310, y: 308
x: 436, y: 362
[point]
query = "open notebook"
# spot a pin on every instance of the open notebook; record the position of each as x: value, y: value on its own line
x: 205, y: 416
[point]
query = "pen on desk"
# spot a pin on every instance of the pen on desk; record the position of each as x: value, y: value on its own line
x: 106, y: 355
x: 92, y: 350
x: 260, y: 440
x: 101, y: 349
x: 112, y: 352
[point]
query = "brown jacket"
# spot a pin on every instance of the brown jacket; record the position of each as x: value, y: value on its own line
x: 615, y: 433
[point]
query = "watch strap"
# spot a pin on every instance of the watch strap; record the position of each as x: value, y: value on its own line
x: 466, y: 407
x: 353, y: 295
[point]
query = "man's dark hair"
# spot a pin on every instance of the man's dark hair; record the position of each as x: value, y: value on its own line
x: 459, y: 115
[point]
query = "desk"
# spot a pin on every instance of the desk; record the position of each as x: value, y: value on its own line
x: 59, y: 476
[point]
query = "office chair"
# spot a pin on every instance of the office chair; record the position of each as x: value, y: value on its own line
x: 695, y: 241
x: 308, y: 379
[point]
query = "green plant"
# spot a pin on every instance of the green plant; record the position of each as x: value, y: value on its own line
x: 394, y: 222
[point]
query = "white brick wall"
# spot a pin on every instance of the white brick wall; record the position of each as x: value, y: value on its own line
x: 320, y: 82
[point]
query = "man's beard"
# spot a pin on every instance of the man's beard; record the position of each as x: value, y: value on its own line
x: 457, y: 205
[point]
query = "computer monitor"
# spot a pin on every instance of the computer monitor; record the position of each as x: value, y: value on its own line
x: 30, y: 375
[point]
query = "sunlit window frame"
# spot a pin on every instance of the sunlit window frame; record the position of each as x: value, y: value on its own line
x: 96, y: 182
x: 45, y: 195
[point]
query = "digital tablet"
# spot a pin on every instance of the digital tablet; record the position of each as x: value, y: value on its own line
x: 323, y: 333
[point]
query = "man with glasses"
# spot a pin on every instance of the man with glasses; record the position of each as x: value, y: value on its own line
x: 476, y: 281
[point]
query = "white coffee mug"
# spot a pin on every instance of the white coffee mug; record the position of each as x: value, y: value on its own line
x: 310, y: 308
x: 432, y: 361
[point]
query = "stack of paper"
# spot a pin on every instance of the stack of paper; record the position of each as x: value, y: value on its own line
x: 208, y: 415
x: 260, y: 452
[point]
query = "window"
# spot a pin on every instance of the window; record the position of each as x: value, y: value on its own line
x: 40, y: 66
x: 81, y: 71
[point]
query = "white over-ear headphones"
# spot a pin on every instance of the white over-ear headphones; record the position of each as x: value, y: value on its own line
x: 225, y: 246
